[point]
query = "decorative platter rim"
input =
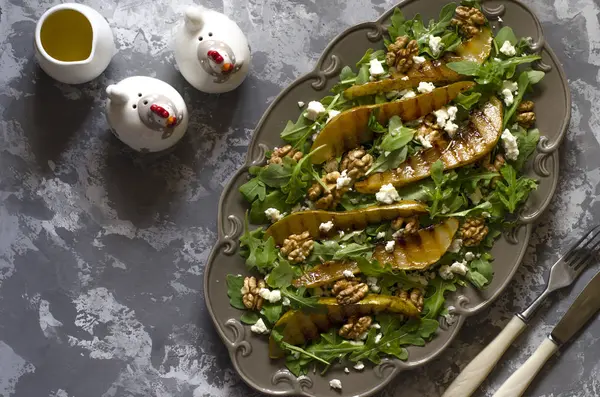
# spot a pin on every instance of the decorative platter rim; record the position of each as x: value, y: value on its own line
x: 230, y: 227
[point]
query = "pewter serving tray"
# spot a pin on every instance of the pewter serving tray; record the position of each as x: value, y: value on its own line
x: 248, y: 351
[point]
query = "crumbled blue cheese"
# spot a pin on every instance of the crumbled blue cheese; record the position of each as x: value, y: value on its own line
x: 286, y: 301
x: 346, y: 370
x: 332, y: 114
x: 509, y: 141
x: 376, y: 68
x: 389, y: 246
x: 445, y: 272
x: 435, y: 43
x: 271, y: 296
x: 273, y: 214
x: 359, y: 366
x: 314, y: 110
x: 486, y: 214
x: 372, y: 283
x: 378, y: 338
x: 455, y: 246
x: 335, y: 384
x: 451, y: 128
x: 260, y: 327
x: 380, y: 235
x: 508, y: 49
x: 301, y: 104
x: 441, y: 116
x: 418, y: 59
x: 348, y: 273
x: 326, y: 226
x: 376, y: 326
x: 508, y: 97
x: 459, y: 268
x: 424, y: 141
x: 387, y: 194
x: 469, y: 256
x: 425, y: 87
x: 510, y: 85
x: 343, y: 180
x: 445, y: 119
x: 407, y: 93
x: 500, y: 20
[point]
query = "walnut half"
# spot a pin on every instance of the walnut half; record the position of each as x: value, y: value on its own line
x: 250, y: 293
x: 297, y: 247
x: 473, y: 231
x: 348, y: 292
x: 355, y: 327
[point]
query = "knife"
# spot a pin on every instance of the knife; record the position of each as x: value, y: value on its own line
x: 584, y: 307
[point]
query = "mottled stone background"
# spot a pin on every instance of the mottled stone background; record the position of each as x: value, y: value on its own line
x: 102, y: 253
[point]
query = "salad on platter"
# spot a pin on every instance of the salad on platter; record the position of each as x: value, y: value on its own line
x: 389, y: 193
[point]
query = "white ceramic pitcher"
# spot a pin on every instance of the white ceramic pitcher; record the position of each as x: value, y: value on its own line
x: 73, y: 43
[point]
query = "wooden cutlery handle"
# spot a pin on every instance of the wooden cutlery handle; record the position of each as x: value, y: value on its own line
x: 518, y: 382
x: 475, y: 373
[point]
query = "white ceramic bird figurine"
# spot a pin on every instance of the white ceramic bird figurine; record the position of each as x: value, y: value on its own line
x: 145, y: 113
x: 211, y: 51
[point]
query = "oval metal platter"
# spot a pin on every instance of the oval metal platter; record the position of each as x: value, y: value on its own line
x: 248, y: 352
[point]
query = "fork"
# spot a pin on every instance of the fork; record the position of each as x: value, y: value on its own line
x: 563, y: 273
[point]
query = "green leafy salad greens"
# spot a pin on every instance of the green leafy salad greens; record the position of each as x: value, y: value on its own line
x: 327, y: 290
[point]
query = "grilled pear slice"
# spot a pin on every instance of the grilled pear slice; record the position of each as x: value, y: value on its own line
x: 299, y: 222
x: 476, y: 49
x: 428, y: 71
x: 416, y: 252
x: 349, y: 129
x: 325, y: 273
x: 469, y: 145
x: 419, y: 251
x: 298, y: 327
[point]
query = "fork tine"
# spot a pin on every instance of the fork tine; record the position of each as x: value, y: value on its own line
x: 568, y: 256
x: 589, y: 252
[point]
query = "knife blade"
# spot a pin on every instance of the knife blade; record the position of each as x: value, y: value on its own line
x: 580, y: 311
x: 584, y: 307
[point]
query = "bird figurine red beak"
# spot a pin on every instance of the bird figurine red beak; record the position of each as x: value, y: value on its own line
x: 215, y: 56
x: 159, y: 110
x: 171, y: 121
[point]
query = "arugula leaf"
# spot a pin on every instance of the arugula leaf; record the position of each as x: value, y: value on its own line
x: 486, y: 205
x: 480, y: 272
x: 275, y: 199
x: 512, y: 190
x: 417, y: 191
x: 369, y: 55
x: 525, y: 79
x: 347, y: 78
x: 281, y: 276
x: 271, y: 311
x: 363, y: 75
x: 413, y: 332
x: 492, y: 71
x: 467, y: 101
x: 527, y: 142
x: 253, y: 189
x: 397, y: 28
x: 299, y: 301
x: 397, y: 136
x: 259, y: 253
x: 442, y: 192
x: 388, y: 276
x: 374, y: 125
x: 353, y: 250
x: 505, y: 34
x: 296, y: 133
x: 249, y: 317
x: 434, y: 300
x: 234, y: 291
x: 277, y: 175
x: 297, y: 184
